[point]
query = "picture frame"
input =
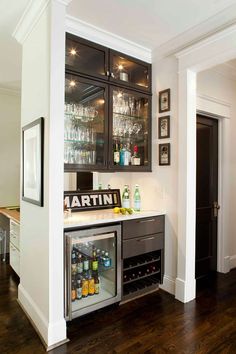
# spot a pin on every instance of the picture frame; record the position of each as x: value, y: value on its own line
x: 164, y: 154
x: 33, y: 162
x: 164, y: 101
x: 164, y: 127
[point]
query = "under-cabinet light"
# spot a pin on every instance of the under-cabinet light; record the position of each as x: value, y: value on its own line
x: 73, y: 51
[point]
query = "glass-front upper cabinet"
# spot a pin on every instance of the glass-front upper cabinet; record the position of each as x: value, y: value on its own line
x: 129, y: 71
x: 86, y: 57
x: 85, y: 126
x: 131, y: 131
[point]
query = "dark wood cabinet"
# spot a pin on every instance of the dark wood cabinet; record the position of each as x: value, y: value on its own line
x: 107, y: 109
x: 143, y: 256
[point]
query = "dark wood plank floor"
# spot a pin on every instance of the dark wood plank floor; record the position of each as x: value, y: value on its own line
x: 156, y: 323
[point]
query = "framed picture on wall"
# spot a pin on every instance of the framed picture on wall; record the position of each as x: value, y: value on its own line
x: 164, y: 101
x: 164, y: 127
x: 32, y: 162
x: 164, y: 154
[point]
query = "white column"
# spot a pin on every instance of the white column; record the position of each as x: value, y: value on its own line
x: 185, y: 282
x: 41, y: 31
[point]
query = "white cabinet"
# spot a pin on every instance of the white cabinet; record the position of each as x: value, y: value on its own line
x: 15, y: 246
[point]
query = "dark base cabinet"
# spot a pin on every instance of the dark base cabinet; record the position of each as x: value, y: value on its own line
x: 143, y: 256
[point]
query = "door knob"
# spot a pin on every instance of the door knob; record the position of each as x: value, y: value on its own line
x: 216, y: 207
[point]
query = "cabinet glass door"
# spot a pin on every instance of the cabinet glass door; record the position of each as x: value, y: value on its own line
x: 130, y: 130
x: 85, y: 57
x: 130, y: 72
x: 85, y: 128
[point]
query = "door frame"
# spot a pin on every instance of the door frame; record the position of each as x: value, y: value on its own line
x: 214, y: 50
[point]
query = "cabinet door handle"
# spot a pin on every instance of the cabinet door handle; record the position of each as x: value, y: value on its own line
x: 146, y: 239
x: 148, y: 220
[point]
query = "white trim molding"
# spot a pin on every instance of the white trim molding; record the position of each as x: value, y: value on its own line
x: 108, y: 39
x: 30, y: 17
x: 232, y: 262
x: 168, y: 284
x: 213, y: 105
x: 213, y: 25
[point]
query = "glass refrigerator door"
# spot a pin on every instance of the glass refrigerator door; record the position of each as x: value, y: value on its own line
x: 94, y: 257
x: 85, y: 127
x: 131, y: 129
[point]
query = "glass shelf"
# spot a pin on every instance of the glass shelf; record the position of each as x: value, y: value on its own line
x: 126, y: 116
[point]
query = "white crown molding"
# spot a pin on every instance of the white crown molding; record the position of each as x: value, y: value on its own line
x: 30, y: 17
x: 9, y: 92
x: 213, y: 25
x: 108, y: 39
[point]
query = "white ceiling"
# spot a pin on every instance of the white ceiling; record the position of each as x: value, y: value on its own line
x: 150, y: 23
x: 147, y: 22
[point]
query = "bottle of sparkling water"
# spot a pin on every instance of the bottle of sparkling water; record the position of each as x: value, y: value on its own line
x: 137, y: 198
x: 126, y: 197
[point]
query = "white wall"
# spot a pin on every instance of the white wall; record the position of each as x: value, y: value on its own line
x: 220, y: 89
x: 10, y: 135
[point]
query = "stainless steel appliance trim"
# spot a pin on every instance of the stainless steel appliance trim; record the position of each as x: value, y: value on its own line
x: 144, y: 221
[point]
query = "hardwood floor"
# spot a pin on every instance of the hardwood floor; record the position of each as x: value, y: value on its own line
x: 156, y: 323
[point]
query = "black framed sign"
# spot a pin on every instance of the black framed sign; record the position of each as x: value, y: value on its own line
x: 164, y: 154
x: 164, y: 127
x: 92, y: 199
x: 32, y: 162
x: 164, y: 101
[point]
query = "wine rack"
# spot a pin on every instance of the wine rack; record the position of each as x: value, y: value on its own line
x: 141, y: 274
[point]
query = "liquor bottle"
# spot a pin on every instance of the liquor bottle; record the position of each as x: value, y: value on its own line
x: 122, y: 155
x: 79, y: 289
x: 137, y: 198
x: 127, y: 155
x: 94, y: 260
x: 80, y: 264
x: 91, y: 287
x: 85, y: 287
x: 106, y: 260
x: 126, y: 197
x: 96, y: 285
x: 135, y: 159
x: 116, y: 154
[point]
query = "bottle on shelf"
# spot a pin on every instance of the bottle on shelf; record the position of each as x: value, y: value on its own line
x: 96, y: 285
x: 106, y: 260
x: 116, y: 154
x: 73, y: 290
x: 94, y: 260
x: 74, y: 261
x: 122, y: 155
x: 102, y: 256
x: 126, y: 197
x: 91, y: 287
x: 127, y: 155
x: 86, y: 264
x: 80, y: 264
x: 100, y: 186
x: 79, y: 289
x: 137, y: 198
x: 135, y: 159
x: 85, y: 289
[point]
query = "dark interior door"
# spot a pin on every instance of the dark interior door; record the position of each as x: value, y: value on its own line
x: 207, y: 196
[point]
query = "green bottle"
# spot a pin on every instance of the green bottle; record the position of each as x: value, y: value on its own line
x: 137, y: 198
x: 126, y: 197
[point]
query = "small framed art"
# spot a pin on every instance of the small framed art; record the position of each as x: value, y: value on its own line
x: 164, y: 101
x: 32, y: 162
x: 164, y: 154
x: 164, y: 127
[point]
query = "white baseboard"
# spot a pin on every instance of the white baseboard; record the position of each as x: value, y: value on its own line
x: 185, y: 292
x: 50, y: 334
x: 168, y: 284
x: 232, y: 262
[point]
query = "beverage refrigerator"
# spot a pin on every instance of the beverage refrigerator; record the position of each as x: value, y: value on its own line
x: 92, y: 269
